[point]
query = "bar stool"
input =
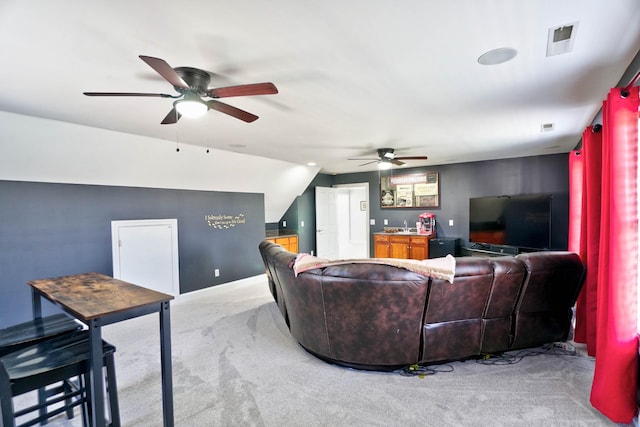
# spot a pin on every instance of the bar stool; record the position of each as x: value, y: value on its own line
x: 48, y: 362
x: 31, y: 332
x: 34, y: 331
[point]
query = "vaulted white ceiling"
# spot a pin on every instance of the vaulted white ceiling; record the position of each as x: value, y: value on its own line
x: 352, y: 75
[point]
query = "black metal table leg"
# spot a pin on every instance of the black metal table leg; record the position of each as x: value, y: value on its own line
x: 95, y: 374
x: 165, y: 361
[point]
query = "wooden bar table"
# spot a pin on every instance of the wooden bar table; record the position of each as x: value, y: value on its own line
x: 97, y: 300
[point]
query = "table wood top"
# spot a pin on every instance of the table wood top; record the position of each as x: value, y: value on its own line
x: 93, y: 295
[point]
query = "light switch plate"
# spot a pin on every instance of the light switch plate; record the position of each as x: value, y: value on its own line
x: 301, y: 224
x: 450, y: 223
x: 372, y: 222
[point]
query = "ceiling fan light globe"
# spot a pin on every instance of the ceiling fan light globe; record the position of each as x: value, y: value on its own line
x: 191, y: 109
x: 384, y: 165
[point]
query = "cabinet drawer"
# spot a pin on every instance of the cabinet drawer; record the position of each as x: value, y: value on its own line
x: 399, y: 239
x: 419, y: 240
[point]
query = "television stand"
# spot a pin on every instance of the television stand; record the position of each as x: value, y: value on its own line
x: 491, y: 250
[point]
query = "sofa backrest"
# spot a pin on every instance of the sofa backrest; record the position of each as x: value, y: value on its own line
x: 508, y: 277
x: 267, y: 251
x: 544, y: 308
x: 373, y: 313
x: 452, y: 320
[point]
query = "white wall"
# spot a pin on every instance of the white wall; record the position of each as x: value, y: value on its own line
x: 42, y: 150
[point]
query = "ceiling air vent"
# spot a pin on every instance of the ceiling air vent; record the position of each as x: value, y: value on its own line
x: 546, y: 127
x: 560, y: 39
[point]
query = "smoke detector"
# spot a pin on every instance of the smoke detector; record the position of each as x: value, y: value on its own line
x: 560, y: 39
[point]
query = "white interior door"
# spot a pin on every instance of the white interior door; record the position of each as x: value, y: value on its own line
x: 145, y: 253
x: 327, y: 222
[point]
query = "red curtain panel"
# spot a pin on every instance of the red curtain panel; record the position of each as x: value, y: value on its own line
x: 606, y: 312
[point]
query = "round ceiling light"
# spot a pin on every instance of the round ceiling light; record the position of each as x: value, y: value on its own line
x: 191, y: 108
x: 497, y: 56
x: 384, y: 165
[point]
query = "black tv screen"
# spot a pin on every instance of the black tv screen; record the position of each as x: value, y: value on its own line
x: 521, y: 220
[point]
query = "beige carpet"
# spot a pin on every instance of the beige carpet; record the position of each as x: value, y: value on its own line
x: 235, y: 364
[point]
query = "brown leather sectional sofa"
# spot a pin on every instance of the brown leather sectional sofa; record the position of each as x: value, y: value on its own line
x: 380, y: 317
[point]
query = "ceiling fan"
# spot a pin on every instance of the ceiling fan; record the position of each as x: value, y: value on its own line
x: 387, y: 158
x: 192, y: 84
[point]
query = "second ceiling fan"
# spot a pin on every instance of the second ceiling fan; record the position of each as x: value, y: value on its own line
x: 192, y: 84
x: 387, y: 157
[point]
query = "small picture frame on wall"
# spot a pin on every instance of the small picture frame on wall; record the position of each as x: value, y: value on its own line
x: 387, y: 198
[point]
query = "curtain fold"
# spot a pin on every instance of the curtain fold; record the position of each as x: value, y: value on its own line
x: 606, y: 311
x: 589, y: 242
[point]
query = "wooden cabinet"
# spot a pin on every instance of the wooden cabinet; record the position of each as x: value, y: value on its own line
x: 419, y: 247
x: 290, y: 243
x: 401, y: 246
x: 381, y: 246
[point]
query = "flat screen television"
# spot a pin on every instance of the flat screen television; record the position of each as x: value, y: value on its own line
x: 523, y: 220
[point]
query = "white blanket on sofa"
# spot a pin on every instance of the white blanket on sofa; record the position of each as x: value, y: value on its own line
x: 441, y: 268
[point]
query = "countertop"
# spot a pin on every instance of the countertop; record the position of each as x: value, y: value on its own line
x: 399, y: 231
x: 270, y: 234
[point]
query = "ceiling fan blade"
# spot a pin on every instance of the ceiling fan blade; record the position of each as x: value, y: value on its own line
x: 172, y: 117
x: 232, y: 111
x: 165, y: 70
x: 368, y: 163
x: 412, y: 158
x: 396, y: 162
x: 362, y: 158
x: 243, y: 90
x: 157, y: 95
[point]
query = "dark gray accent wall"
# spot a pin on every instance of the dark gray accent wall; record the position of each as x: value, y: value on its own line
x: 304, y: 209
x: 458, y: 183
x: 49, y: 230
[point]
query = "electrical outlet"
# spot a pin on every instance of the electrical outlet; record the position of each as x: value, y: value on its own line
x: 372, y: 221
x: 284, y: 224
x: 450, y: 223
x: 301, y: 224
x: 311, y: 253
x: 385, y: 221
x: 216, y: 272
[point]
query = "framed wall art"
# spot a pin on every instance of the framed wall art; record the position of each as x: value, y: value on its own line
x: 418, y: 190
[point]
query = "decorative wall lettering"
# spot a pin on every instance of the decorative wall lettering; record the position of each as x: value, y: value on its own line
x: 223, y: 222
